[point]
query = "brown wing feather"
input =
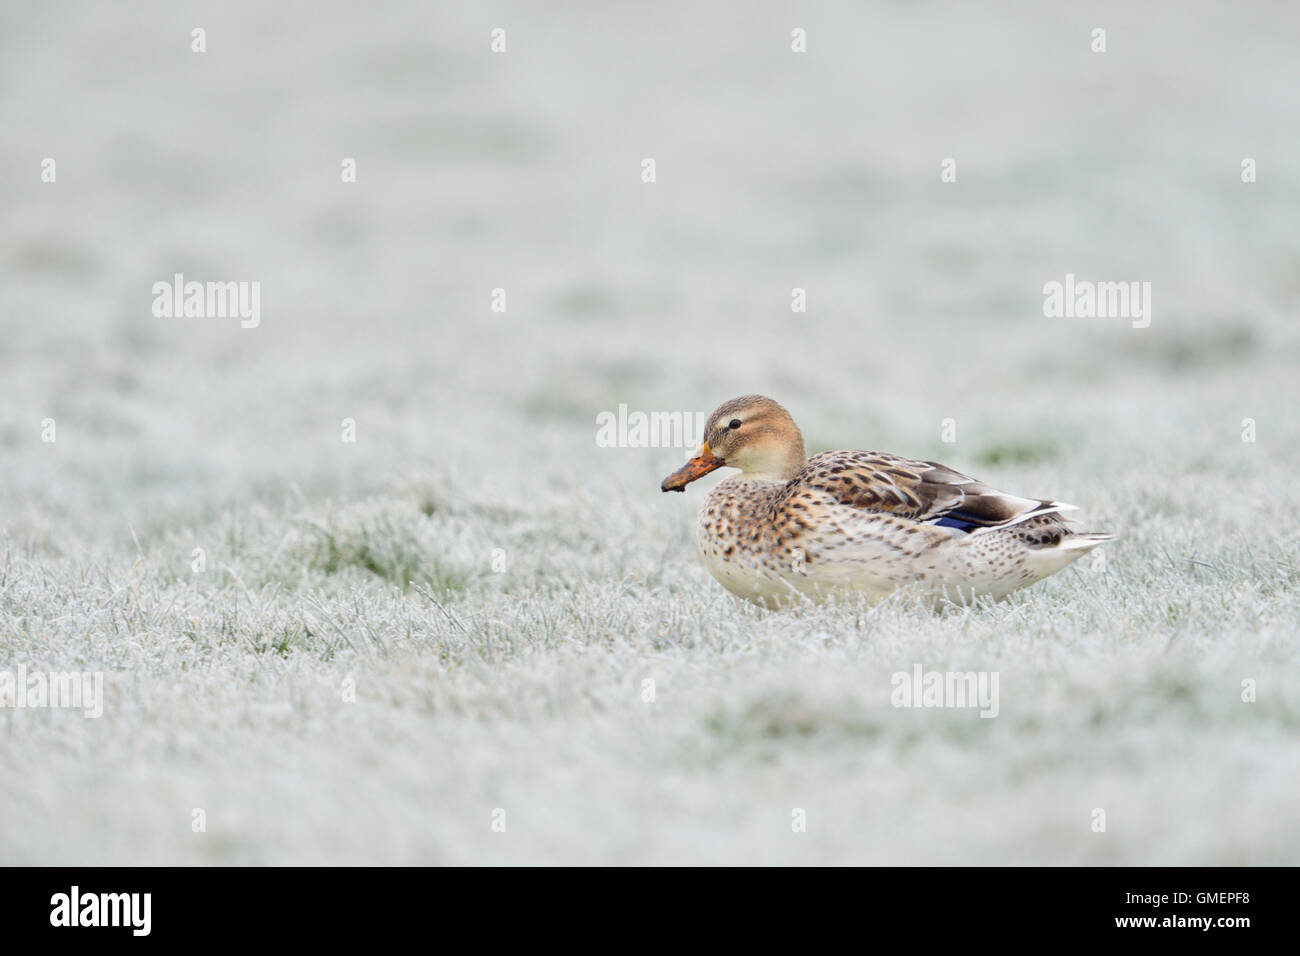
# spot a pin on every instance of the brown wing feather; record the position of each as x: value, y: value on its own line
x: 920, y: 490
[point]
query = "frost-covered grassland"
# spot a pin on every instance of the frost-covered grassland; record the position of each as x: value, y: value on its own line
x: 368, y: 567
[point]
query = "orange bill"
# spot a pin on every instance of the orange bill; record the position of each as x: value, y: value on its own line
x: 703, y: 463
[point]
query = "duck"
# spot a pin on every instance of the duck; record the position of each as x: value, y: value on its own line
x: 789, y: 528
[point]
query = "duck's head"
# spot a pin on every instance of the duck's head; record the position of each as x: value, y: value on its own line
x: 751, y: 433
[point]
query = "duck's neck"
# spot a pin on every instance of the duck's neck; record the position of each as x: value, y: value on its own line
x: 781, y: 463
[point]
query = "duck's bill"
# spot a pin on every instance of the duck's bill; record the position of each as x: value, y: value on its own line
x: 703, y: 463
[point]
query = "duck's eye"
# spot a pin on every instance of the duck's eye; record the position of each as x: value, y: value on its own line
x: 735, y: 423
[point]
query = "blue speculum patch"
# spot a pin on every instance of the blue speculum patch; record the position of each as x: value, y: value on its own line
x: 961, y: 524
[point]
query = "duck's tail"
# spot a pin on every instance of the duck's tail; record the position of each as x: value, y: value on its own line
x: 1062, y: 549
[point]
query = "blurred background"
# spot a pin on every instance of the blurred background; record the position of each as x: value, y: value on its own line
x: 522, y: 171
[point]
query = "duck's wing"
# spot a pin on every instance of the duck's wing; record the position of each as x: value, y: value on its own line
x: 924, y: 491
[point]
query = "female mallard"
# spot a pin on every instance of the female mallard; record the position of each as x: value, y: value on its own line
x: 791, y: 525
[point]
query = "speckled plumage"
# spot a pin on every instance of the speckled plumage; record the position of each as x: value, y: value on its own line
x: 861, y: 521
